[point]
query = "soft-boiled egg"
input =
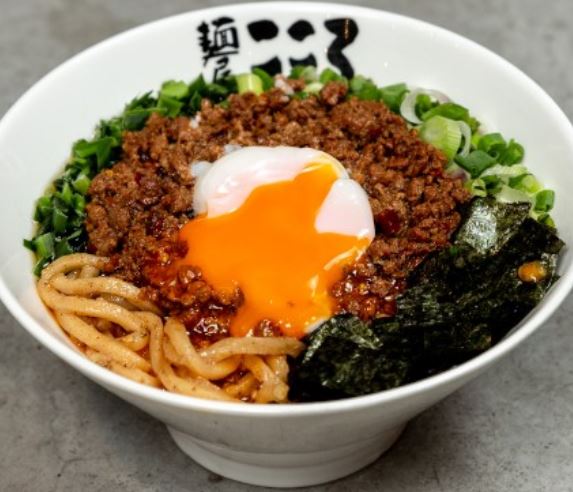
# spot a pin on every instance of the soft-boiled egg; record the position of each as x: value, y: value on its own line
x: 280, y: 223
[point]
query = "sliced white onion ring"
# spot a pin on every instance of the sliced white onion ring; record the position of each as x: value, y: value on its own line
x: 408, y: 106
x: 467, y: 134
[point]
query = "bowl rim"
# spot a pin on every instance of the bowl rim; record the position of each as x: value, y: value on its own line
x: 109, y: 379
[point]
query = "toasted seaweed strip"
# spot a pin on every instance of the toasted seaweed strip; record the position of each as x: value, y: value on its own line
x: 344, y: 356
x: 460, y: 301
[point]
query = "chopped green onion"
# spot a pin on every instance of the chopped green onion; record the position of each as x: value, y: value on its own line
x: 29, y: 244
x: 452, y: 111
x: 40, y: 264
x: 544, y: 200
x: 476, y: 187
x: 198, y: 85
x: 511, y: 195
x: 66, y: 194
x: 135, y: 120
x: 513, y: 154
x: 63, y: 248
x: 363, y: 88
x: 216, y: 91
x: 314, y: 87
x: 525, y: 182
x: 393, y: 95
x: 44, y: 245
x: 249, y: 82
x: 424, y: 103
x: 43, y: 208
x: 79, y: 203
x: 101, y: 148
x: 266, y: 79
x: 492, y: 183
x: 174, y: 89
x: 546, y: 220
x: 475, y: 162
x: 171, y: 106
x: 443, y: 134
x: 82, y: 183
x: 329, y: 75
x: 195, y: 102
x: 493, y: 144
x: 305, y: 72
x: 59, y: 220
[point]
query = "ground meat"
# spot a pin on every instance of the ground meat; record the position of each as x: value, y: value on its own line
x: 137, y: 207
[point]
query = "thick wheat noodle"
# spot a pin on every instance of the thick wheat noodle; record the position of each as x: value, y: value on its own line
x: 89, y: 271
x: 252, y: 346
x: 219, y: 370
x: 242, y: 388
x: 189, y: 357
x: 102, y: 285
x: 279, y: 366
x: 68, y: 285
x: 131, y: 373
x: 195, y: 387
x: 87, y: 334
x: 94, y: 308
x: 272, y: 388
x: 135, y: 341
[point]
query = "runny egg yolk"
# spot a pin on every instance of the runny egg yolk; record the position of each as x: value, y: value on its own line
x: 269, y: 247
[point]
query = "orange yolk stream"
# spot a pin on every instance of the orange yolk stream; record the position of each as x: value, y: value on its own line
x: 269, y: 247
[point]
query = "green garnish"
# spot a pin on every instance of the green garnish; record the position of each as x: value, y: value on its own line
x: 249, y: 82
x: 475, y: 162
x: 393, y: 95
x: 442, y: 133
x: 544, y: 200
x: 491, y: 161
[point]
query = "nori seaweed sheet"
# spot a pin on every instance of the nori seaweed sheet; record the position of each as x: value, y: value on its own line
x: 459, y: 302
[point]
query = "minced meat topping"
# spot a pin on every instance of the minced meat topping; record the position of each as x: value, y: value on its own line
x: 138, y: 206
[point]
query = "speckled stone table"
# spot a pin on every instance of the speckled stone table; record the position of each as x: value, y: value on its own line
x: 510, y: 430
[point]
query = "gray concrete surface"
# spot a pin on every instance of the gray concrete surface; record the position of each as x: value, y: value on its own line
x: 511, y: 430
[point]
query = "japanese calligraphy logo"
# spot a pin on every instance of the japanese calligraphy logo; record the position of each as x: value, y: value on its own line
x: 219, y: 41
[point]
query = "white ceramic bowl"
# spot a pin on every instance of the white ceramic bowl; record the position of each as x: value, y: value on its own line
x: 286, y: 445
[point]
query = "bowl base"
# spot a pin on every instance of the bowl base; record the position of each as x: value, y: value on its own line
x: 286, y: 469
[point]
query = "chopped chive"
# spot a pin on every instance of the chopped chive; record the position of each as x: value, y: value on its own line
x: 492, y: 183
x: 79, y: 203
x: 59, y: 220
x: 305, y: 72
x: 493, y: 144
x: 525, y: 182
x: 267, y: 81
x: 63, y: 248
x: 442, y: 133
x: 393, y: 95
x: 314, y: 87
x: 544, y: 200
x: 476, y: 187
x: 249, y: 82
x: 363, y: 88
x: 29, y: 244
x: 43, y: 208
x: 475, y: 162
x: 44, y: 245
x: 174, y: 89
x: 198, y: 85
x: 513, y: 154
x: 82, y: 183
x: 171, y: 106
x: 66, y: 194
x: 329, y: 75
x: 424, y: 103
